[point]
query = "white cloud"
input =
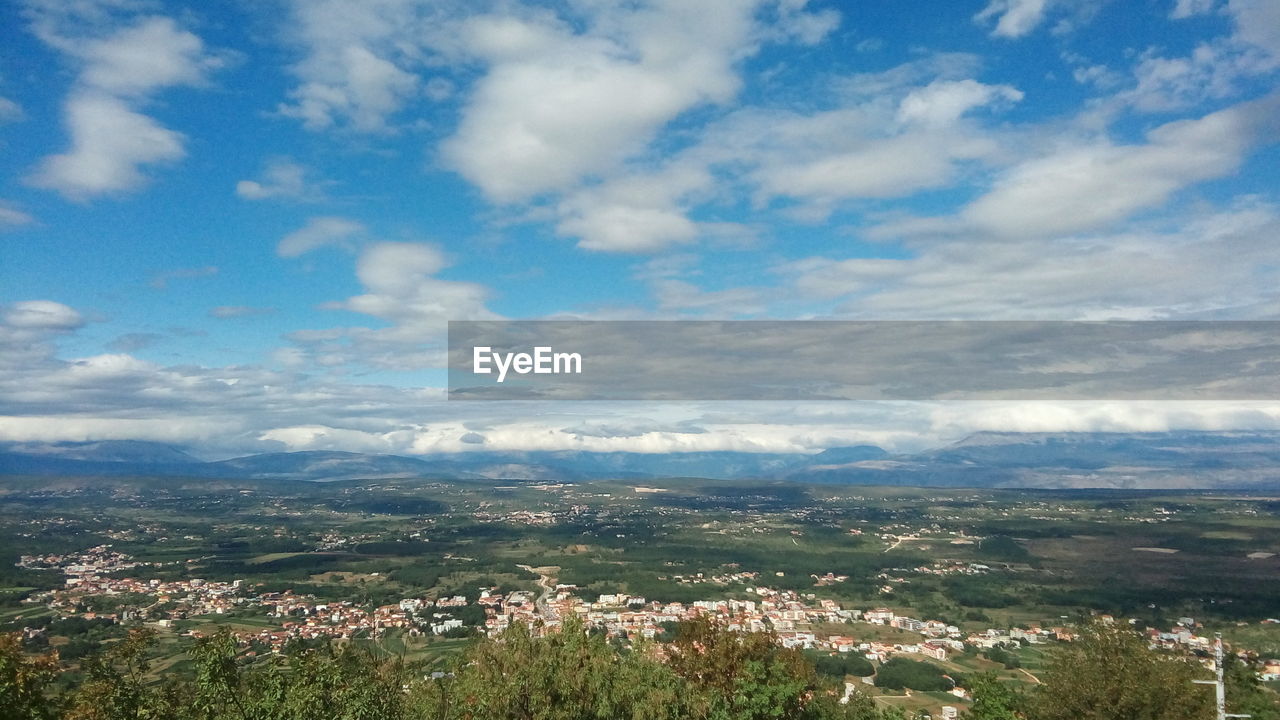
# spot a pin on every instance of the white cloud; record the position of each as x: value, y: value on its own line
x: 561, y: 102
x: 362, y: 88
x: 399, y: 278
x: 134, y: 61
x: 1188, y: 8
x: 943, y: 102
x: 1078, y: 188
x: 953, y: 420
x: 669, y: 278
x: 1257, y: 23
x: 402, y: 290
x: 641, y: 212
x: 281, y: 178
x: 1216, y: 68
x: 111, y: 139
x: 895, y: 133
x: 1214, y: 265
x: 317, y: 233
x: 357, y: 68
x: 557, y: 105
x: 110, y: 144
x: 40, y: 315
x: 893, y: 137
x: 1212, y: 71
x: 1014, y: 18
x: 241, y: 409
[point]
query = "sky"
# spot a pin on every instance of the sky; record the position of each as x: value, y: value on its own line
x: 243, y: 226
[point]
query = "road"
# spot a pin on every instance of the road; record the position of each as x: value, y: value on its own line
x: 547, y: 582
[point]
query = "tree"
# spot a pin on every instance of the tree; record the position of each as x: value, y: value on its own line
x: 1110, y: 673
x: 566, y: 675
x: 314, y: 684
x: 117, y: 687
x: 744, y: 675
x: 994, y: 700
x: 838, y: 665
x: 24, y: 680
x: 1245, y: 694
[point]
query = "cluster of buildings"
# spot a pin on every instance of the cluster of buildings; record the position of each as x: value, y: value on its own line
x: 721, y: 579
x: 94, y: 561
x: 303, y: 618
x: 790, y: 615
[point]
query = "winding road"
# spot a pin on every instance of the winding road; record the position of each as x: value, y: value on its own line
x: 547, y: 582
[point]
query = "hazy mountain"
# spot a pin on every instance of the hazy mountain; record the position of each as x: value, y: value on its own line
x: 1061, y: 460
x: 128, y: 451
x: 1066, y: 460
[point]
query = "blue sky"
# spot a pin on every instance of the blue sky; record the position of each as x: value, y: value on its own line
x: 243, y: 226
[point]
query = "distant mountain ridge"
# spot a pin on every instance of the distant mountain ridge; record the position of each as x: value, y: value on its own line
x: 1170, y: 460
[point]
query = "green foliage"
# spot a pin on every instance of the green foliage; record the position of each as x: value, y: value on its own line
x: 23, y: 682
x: 899, y: 673
x: 1109, y: 672
x: 1004, y: 548
x: 116, y: 685
x: 704, y: 672
x: 742, y: 676
x: 838, y: 665
x: 1246, y: 695
x: 569, y: 674
x: 994, y: 700
x: 1003, y: 656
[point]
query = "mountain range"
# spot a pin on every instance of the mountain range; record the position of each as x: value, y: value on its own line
x: 1172, y: 460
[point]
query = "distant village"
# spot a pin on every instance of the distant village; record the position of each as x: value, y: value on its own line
x: 791, y: 615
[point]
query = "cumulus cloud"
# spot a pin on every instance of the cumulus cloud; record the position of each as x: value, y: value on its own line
x: 281, y: 178
x: 556, y: 104
x: 1215, y: 69
x: 1213, y: 265
x: 1013, y: 18
x: 358, y: 60
x: 892, y: 134
x: 317, y: 233
x: 895, y: 133
x: 402, y: 287
x: 562, y: 101
x: 111, y: 139
x: 110, y: 144
x: 1078, y: 188
x: 1257, y: 23
x: 641, y: 212
x: 403, y: 290
x: 943, y: 102
x: 1189, y: 8
x: 670, y: 282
